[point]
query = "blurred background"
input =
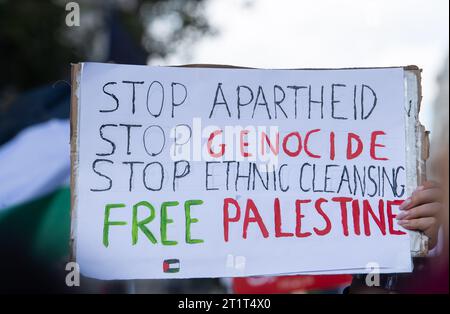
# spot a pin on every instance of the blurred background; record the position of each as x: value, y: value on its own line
x: 39, y: 40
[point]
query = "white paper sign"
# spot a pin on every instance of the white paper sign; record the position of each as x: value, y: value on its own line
x: 219, y: 172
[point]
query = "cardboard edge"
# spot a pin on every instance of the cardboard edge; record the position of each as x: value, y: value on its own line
x: 74, y: 99
x: 411, y: 68
x: 417, y: 150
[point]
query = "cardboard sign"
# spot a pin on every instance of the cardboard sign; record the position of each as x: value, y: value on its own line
x: 225, y: 172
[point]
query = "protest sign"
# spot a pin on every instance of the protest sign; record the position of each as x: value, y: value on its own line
x: 183, y: 172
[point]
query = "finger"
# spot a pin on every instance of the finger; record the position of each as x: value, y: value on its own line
x: 421, y: 211
x: 420, y: 197
x: 428, y: 185
x: 421, y: 224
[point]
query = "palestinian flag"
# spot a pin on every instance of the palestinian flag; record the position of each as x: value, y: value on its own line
x: 171, y: 265
x: 34, y: 189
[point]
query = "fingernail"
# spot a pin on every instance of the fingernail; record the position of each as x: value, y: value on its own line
x: 405, y: 203
x: 420, y: 188
x: 403, y: 223
x: 402, y: 215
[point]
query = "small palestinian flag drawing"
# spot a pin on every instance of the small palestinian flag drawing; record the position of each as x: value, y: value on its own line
x: 171, y: 265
